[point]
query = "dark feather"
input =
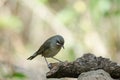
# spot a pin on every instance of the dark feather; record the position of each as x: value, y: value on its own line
x: 33, y: 56
x: 41, y: 50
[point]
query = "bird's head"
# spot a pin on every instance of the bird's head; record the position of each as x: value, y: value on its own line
x: 59, y: 41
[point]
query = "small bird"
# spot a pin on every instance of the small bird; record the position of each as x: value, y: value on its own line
x: 50, y: 48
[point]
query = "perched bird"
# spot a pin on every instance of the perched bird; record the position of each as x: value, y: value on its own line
x: 50, y: 48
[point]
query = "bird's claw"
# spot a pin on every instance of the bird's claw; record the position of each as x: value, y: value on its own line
x: 49, y: 66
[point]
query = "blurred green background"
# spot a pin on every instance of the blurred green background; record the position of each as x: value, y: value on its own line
x: 87, y: 26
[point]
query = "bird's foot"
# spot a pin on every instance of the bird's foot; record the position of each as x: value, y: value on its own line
x: 49, y: 66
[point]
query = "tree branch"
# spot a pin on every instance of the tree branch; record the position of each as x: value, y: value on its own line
x: 87, y: 62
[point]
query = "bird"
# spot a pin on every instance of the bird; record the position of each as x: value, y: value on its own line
x: 50, y: 48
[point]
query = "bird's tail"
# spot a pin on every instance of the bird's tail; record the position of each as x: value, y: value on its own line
x: 33, y: 56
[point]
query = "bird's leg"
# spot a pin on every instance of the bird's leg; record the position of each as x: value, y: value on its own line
x: 47, y: 63
x: 57, y: 59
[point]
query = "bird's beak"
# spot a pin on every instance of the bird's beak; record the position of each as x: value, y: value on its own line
x: 63, y: 47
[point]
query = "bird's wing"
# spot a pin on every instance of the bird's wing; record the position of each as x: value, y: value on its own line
x: 44, y: 47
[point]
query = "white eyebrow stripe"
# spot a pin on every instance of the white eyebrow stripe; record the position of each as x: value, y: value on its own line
x: 58, y: 43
